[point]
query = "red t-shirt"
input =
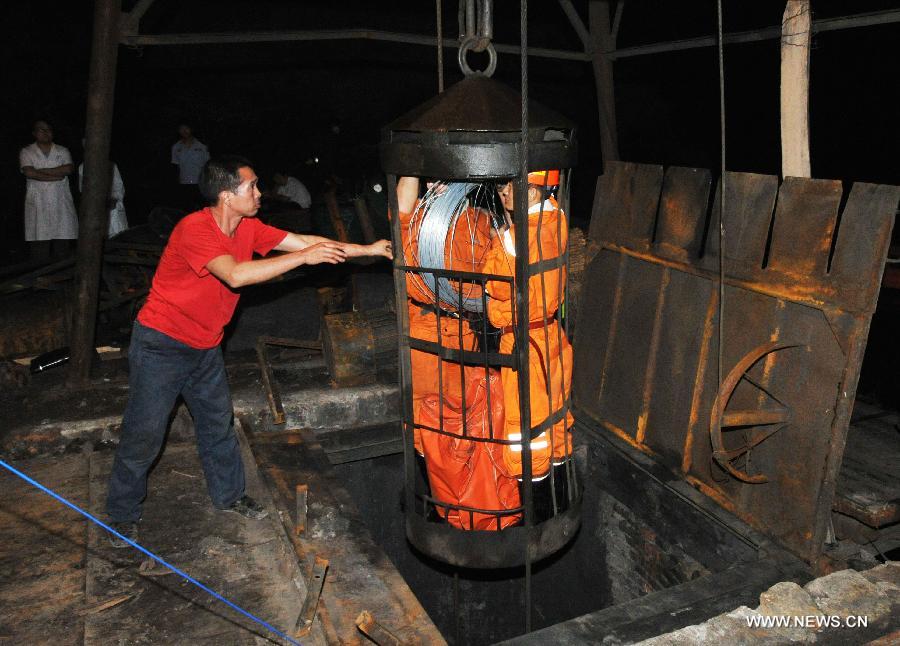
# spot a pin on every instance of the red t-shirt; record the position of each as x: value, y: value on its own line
x: 188, y: 303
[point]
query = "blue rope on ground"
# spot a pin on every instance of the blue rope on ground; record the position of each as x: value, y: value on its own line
x: 174, y: 569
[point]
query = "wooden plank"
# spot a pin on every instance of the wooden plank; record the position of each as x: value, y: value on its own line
x: 868, y: 486
x: 683, y: 210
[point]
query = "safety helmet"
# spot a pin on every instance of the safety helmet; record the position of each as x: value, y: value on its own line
x: 546, y: 178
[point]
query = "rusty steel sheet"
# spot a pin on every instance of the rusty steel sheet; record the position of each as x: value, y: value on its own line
x: 751, y: 200
x: 802, y: 251
x: 682, y: 213
x: 625, y: 204
x: 764, y: 438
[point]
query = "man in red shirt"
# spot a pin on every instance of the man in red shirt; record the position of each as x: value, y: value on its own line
x: 175, y: 341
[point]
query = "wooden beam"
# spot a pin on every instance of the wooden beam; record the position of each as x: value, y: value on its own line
x: 795, y: 27
x: 94, y: 216
x: 617, y: 21
x: 139, y: 10
x: 133, y: 39
x: 768, y: 33
x: 219, y: 38
x: 130, y: 23
x: 601, y: 45
x: 577, y: 23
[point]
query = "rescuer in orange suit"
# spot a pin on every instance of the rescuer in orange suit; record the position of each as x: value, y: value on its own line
x: 423, y: 319
x: 550, y: 354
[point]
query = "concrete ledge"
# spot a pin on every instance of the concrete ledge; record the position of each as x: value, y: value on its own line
x: 322, y: 408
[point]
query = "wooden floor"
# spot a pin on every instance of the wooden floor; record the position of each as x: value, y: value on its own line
x: 868, y: 487
x: 43, y: 551
x: 62, y: 583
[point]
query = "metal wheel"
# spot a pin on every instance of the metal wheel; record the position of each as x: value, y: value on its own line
x: 758, y: 424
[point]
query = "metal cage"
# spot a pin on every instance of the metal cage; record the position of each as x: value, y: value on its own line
x: 473, y: 132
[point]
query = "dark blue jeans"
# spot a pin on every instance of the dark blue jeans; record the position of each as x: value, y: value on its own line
x: 162, y: 368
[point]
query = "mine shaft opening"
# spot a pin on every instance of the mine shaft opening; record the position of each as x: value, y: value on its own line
x: 637, y: 537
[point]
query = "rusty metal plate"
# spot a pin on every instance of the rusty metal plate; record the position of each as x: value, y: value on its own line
x: 686, y: 324
x: 603, y: 272
x: 630, y: 343
x: 625, y: 204
x: 683, y: 208
x: 856, y: 259
x: 749, y: 200
x: 765, y: 437
x: 804, y: 227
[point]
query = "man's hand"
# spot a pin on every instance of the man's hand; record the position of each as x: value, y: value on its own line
x: 330, y: 252
x: 436, y: 187
x: 381, y: 248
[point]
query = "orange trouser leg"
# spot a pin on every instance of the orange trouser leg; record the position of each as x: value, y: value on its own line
x: 557, y: 365
x: 429, y: 374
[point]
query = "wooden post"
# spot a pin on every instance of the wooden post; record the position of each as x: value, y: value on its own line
x: 94, y: 216
x: 365, y: 221
x: 601, y: 46
x: 334, y: 214
x: 795, y: 34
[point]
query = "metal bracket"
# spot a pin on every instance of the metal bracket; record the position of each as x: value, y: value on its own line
x: 273, y: 395
x: 375, y: 631
x: 302, y: 509
x: 313, y: 594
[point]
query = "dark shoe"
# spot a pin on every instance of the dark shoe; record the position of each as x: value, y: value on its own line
x: 127, y: 529
x: 248, y: 508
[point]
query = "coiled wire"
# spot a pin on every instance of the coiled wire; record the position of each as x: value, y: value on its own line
x: 438, y: 219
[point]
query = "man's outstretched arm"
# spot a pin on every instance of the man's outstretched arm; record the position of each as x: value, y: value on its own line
x: 238, y: 274
x: 300, y: 241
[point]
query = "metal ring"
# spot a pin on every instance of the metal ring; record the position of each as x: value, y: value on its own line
x: 471, y: 43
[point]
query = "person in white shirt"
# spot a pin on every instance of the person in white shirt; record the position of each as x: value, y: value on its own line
x: 190, y: 155
x: 50, y: 217
x: 292, y: 189
x: 115, y: 203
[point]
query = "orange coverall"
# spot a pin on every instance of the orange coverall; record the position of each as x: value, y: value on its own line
x: 550, y: 354
x: 464, y: 472
x: 423, y: 322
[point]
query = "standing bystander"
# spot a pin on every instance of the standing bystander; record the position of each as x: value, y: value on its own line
x: 175, y: 342
x: 189, y: 154
x: 50, y: 217
x: 291, y: 189
x: 118, y: 221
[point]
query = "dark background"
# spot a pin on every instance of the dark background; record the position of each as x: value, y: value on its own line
x: 282, y: 104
